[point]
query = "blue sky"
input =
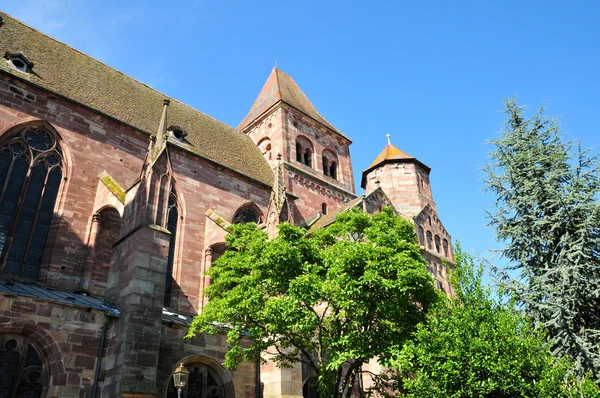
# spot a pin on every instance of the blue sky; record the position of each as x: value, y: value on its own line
x: 433, y: 74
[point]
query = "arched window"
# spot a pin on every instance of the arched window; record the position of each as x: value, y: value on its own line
x: 21, y: 368
x: 333, y: 170
x: 245, y: 215
x: 429, y: 240
x: 325, y: 165
x: 308, y: 158
x: 437, y: 244
x: 309, y: 390
x: 421, y: 234
x: 304, y: 151
x: 329, y: 164
x: 30, y: 175
x: 445, y: 247
x: 265, y: 146
x: 172, y: 219
x: 324, y: 208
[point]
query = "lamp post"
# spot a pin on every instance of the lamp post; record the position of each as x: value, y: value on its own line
x: 180, y: 378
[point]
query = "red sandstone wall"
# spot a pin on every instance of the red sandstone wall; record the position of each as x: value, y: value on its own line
x: 68, y: 337
x: 93, y: 143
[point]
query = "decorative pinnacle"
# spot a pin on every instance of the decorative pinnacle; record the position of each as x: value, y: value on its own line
x: 388, y: 137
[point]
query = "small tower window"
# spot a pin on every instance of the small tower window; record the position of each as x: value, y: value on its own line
x: 304, y: 151
x: 19, y: 61
x: 325, y: 165
x: 333, y: 170
x: 308, y: 158
x: 429, y: 240
x: 324, y: 208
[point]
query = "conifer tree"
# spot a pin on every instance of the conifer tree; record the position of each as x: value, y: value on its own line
x: 546, y: 212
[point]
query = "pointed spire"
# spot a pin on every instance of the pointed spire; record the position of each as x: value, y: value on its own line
x: 281, y: 87
x: 161, y: 134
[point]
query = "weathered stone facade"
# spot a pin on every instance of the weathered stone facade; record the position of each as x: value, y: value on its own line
x: 140, y: 213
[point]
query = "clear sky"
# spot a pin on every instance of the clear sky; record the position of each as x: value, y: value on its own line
x: 433, y: 74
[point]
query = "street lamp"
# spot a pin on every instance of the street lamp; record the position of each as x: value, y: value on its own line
x: 180, y: 378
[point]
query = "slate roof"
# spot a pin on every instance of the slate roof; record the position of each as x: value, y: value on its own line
x: 80, y: 78
x: 37, y: 291
x: 281, y: 87
x: 176, y: 318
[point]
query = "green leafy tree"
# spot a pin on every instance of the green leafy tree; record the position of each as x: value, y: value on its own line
x: 475, y: 345
x: 352, y: 292
x: 547, y: 214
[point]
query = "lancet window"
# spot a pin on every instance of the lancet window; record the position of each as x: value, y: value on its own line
x: 31, y: 169
x: 172, y: 220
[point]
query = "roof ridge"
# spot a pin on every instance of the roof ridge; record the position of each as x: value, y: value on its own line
x: 111, y: 67
x: 303, y: 94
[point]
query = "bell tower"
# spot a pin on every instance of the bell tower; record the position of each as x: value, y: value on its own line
x: 314, y: 154
x: 405, y: 181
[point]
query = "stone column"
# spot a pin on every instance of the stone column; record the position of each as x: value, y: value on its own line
x: 91, y: 254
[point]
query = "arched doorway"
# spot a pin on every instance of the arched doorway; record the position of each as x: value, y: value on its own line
x: 309, y: 390
x: 22, y: 370
x: 203, y: 382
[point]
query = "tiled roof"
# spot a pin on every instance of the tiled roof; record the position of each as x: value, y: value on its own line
x: 390, y: 152
x: 55, y: 295
x: 171, y: 317
x: 78, y: 77
x: 281, y: 87
x: 329, y: 218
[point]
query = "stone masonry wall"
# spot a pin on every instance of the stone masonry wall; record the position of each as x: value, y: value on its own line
x: 68, y: 337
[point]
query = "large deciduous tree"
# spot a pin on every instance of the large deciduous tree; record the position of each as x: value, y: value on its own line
x: 352, y: 292
x: 546, y: 212
x: 477, y: 345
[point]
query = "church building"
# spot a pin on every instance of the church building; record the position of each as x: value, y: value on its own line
x: 115, y: 199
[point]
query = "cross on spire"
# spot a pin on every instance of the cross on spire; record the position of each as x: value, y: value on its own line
x: 388, y: 137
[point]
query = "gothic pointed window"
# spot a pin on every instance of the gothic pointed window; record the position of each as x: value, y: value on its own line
x: 30, y: 176
x: 245, y: 215
x: 21, y: 368
x: 172, y: 219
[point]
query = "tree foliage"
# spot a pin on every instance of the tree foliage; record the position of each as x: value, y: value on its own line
x: 474, y: 345
x: 547, y: 214
x: 352, y: 292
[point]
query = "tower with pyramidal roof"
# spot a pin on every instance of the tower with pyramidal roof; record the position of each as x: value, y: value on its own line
x: 405, y: 181
x: 314, y: 154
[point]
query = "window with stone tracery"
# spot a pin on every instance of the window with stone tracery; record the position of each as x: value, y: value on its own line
x: 245, y: 215
x: 21, y: 368
x: 31, y: 169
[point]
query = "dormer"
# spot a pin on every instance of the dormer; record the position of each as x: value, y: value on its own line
x: 177, y: 132
x: 18, y: 61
